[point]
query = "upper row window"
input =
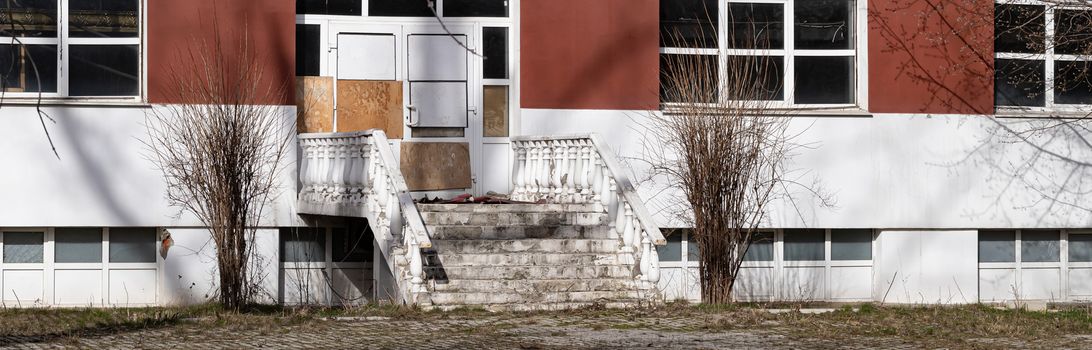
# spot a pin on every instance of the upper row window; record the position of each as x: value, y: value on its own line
x: 102, y: 43
x: 1034, y: 69
x: 405, y: 8
x: 739, y: 38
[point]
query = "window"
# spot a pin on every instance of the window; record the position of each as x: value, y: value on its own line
x: 1080, y: 247
x: 749, y: 41
x: 1034, y: 69
x: 1039, y: 245
x: 495, y: 72
x: 132, y: 245
x: 307, y: 49
x: 476, y: 8
x: 997, y: 246
x: 353, y: 244
x: 850, y: 245
x: 77, y: 245
x: 102, y: 48
x: 304, y: 244
x: 329, y: 7
x: 805, y: 245
x: 761, y: 247
x: 672, y: 251
x: 23, y: 247
x: 399, y: 8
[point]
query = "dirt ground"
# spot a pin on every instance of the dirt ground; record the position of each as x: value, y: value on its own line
x: 672, y: 326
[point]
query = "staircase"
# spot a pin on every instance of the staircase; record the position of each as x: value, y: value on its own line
x: 527, y: 257
x: 586, y: 240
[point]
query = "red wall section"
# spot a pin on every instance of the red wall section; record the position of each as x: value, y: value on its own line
x: 176, y: 26
x: 589, y: 54
x: 930, y: 56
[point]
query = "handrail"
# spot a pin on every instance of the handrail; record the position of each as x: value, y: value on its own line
x: 356, y: 174
x: 581, y: 168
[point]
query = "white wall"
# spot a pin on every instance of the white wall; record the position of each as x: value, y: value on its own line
x: 926, y: 267
x: 882, y: 171
x: 189, y: 267
x: 101, y: 175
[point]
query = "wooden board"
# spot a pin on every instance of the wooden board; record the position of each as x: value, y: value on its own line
x: 496, y: 111
x: 370, y: 104
x: 431, y: 166
x: 314, y: 104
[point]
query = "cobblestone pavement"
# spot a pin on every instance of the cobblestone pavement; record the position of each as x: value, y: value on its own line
x: 482, y: 332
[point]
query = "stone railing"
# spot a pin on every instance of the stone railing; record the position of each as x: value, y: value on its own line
x: 582, y: 169
x: 356, y: 174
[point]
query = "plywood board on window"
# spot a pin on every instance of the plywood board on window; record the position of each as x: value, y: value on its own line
x: 314, y: 104
x: 429, y: 166
x: 496, y: 111
x: 370, y: 104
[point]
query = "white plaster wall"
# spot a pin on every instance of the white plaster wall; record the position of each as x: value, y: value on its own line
x: 101, y: 174
x: 882, y: 171
x: 926, y: 267
x: 189, y: 267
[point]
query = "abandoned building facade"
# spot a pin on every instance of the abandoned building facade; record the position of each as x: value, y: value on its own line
x: 939, y: 183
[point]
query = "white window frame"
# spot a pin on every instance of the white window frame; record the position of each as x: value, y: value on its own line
x: 1018, y: 265
x: 49, y: 266
x: 63, y: 41
x: 1049, y: 58
x: 788, y: 52
x: 327, y: 265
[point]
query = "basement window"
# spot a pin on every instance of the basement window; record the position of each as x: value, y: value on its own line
x: 77, y: 245
x: 23, y: 247
x: 805, y: 245
x: 133, y: 245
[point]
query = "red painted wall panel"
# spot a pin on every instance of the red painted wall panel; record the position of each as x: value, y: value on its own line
x: 930, y: 56
x: 589, y: 54
x: 177, y: 26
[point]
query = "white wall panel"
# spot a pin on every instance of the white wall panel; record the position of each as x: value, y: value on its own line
x: 755, y: 283
x: 496, y: 172
x: 101, y: 175
x: 366, y: 57
x: 851, y: 283
x: 24, y: 287
x: 995, y: 285
x: 439, y: 104
x: 883, y: 170
x: 78, y: 287
x: 1040, y: 284
x: 304, y: 286
x: 352, y: 286
x: 1080, y: 283
x: 926, y: 267
x: 436, y: 57
x: 132, y: 287
x: 804, y: 283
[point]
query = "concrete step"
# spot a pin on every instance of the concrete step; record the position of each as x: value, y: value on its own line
x: 465, y: 246
x: 525, y: 259
x: 509, y: 208
x: 454, y: 218
x: 486, y: 298
x: 523, y: 272
x: 530, y: 286
x: 517, y: 232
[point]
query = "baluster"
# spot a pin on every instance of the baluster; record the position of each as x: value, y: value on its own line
x: 326, y: 173
x: 563, y: 175
x: 339, y: 170
x: 597, y: 181
x: 521, y: 164
x: 417, y: 267
x: 305, y: 169
x: 572, y: 190
x: 531, y: 177
x: 544, y: 177
x: 356, y: 173
x: 650, y: 262
x: 625, y: 222
x: 557, y: 169
x: 585, y: 172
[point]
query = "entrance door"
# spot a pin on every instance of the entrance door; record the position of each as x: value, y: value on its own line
x: 418, y: 83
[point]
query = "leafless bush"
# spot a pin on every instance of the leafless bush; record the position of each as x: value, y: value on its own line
x: 723, y: 142
x: 220, y: 148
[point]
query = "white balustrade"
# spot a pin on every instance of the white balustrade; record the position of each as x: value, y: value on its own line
x: 581, y: 169
x: 356, y: 174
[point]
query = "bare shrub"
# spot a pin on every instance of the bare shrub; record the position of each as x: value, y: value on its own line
x: 220, y: 148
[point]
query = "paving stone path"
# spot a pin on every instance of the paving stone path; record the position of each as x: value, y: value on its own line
x: 475, y: 332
